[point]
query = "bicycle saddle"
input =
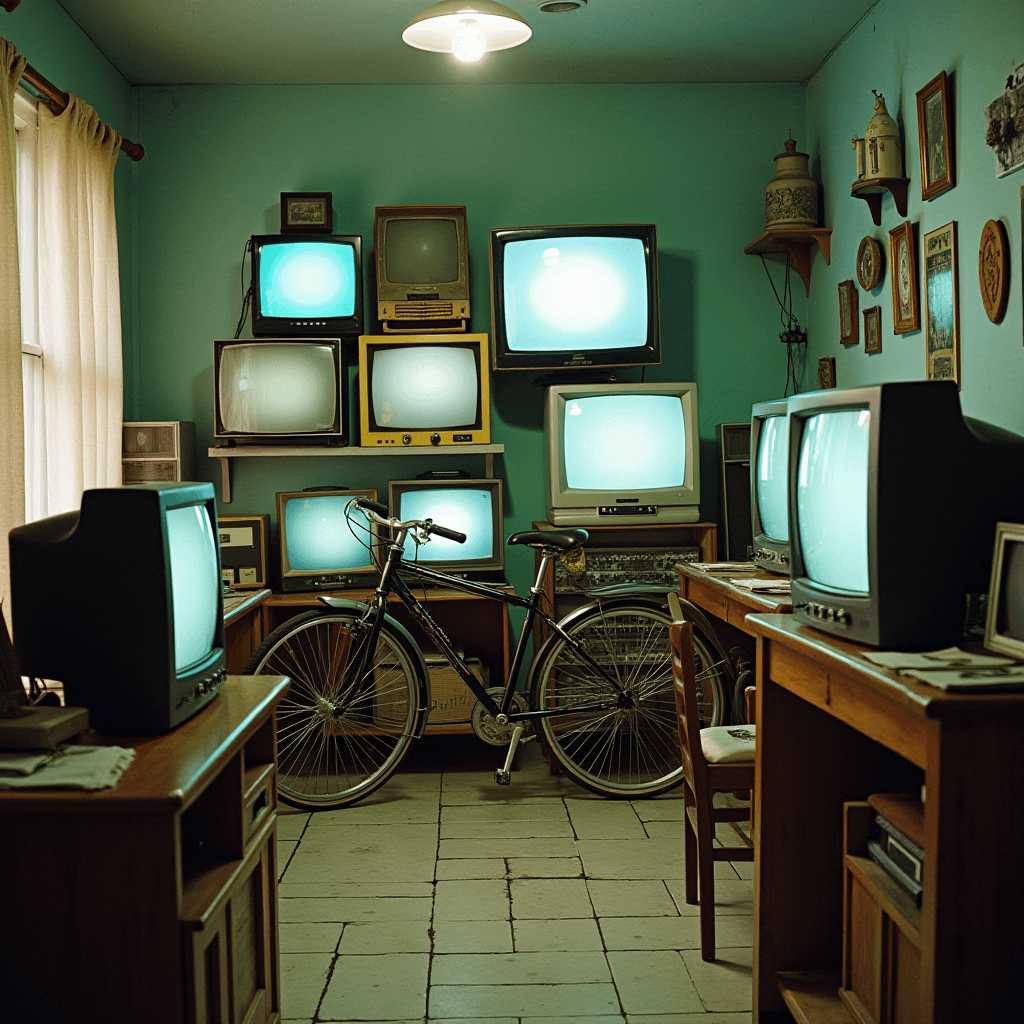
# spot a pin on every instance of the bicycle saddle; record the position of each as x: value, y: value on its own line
x: 561, y: 540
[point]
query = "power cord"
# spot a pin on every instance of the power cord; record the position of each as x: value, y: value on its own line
x: 246, y: 292
x: 792, y: 333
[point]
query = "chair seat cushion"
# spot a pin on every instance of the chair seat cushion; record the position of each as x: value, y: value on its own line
x: 728, y: 744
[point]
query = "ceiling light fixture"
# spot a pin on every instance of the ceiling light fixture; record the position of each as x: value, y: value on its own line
x: 466, y: 28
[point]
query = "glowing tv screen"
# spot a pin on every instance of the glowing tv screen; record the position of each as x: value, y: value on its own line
x: 195, y: 583
x: 772, y: 468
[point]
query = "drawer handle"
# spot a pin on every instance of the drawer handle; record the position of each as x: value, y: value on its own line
x: 259, y: 805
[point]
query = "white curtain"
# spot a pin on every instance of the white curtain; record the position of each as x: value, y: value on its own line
x: 79, y: 304
x: 12, y: 443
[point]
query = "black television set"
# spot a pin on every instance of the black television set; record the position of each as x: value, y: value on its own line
x: 307, y: 285
x: 138, y: 637
x: 280, y: 390
x: 894, y: 496
x: 769, y: 485
x: 578, y: 298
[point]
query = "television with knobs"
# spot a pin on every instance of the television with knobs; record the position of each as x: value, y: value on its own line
x: 894, y: 497
x: 769, y: 485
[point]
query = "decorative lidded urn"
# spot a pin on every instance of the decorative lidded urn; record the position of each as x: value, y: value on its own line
x: 791, y: 198
x: 883, y: 149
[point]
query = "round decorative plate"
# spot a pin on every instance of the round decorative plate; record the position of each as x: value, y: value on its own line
x: 869, y: 263
x: 994, y: 269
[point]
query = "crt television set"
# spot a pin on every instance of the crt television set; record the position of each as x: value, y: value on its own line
x: 1004, y: 619
x: 280, y: 390
x: 427, y: 389
x: 139, y: 639
x: 894, y: 496
x: 622, y: 454
x: 324, y: 541
x: 422, y: 261
x: 305, y: 285
x: 472, y: 507
x: 769, y: 484
x: 578, y: 297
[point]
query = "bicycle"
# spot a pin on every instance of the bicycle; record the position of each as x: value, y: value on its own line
x: 599, y: 690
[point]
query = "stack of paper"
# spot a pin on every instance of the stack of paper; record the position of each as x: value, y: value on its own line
x: 953, y: 669
x: 70, y: 767
x: 726, y: 567
x: 776, y: 586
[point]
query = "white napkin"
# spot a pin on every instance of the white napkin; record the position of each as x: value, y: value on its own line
x: 72, y: 767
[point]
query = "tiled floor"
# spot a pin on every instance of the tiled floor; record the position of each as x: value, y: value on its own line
x: 446, y: 897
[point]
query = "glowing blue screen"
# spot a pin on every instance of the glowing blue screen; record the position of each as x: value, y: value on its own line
x: 468, y: 510
x: 832, y: 499
x: 773, y: 478
x: 318, y: 538
x: 575, y: 293
x: 624, y: 442
x: 314, y: 279
x: 424, y: 387
x: 195, y: 583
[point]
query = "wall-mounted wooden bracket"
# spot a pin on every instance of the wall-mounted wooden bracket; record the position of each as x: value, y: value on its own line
x: 871, y: 192
x: 797, y: 244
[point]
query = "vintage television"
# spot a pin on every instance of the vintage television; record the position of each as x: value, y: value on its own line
x: 472, y: 507
x: 422, y: 261
x: 140, y: 637
x: 579, y: 298
x: 427, y: 389
x: 622, y: 454
x: 324, y: 541
x: 305, y: 285
x: 769, y: 484
x: 280, y: 390
x: 894, y: 496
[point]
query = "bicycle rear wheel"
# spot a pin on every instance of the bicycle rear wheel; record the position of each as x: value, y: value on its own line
x: 338, y: 741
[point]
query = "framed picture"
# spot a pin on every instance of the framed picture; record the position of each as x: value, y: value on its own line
x: 869, y: 263
x: 933, y: 134
x: 306, y: 211
x: 942, y: 319
x: 906, y: 313
x: 873, y: 329
x: 849, y: 333
x: 1004, y: 627
x: 994, y: 269
x: 827, y: 372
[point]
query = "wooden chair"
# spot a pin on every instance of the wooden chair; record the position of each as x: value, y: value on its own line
x: 715, y: 760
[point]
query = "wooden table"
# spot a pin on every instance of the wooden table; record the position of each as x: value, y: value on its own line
x: 726, y: 601
x: 243, y: 626
x: 832, y: 727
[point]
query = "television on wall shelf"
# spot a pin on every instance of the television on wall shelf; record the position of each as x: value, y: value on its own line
x: 142, y: 646
x: 472, y: 507
x: 578, y: 298
x: 421, y: 254
x: 622, y: 454
x: 324, y: 541
x: 280, y: 390
x: 769, y: 484
x: 307, y: 285
x: 894, y: 496
x: 428, y: 389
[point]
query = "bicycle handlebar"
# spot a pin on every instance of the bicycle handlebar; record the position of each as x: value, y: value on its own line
x: 376, y: 513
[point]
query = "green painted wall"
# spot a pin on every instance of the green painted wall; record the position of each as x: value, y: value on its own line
x: 900, y: 47
x: 692, y: 159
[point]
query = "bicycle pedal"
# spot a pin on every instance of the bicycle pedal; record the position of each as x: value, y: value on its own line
x: 502, y: 777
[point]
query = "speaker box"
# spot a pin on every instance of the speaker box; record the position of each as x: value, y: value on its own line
x: 734, y: 480
x: 154, y: 451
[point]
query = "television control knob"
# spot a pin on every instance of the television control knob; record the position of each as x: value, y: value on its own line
x: 407, y: 439
x: 435, y: 438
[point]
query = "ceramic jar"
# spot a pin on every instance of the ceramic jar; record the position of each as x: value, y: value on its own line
x: 883, y: 149
x: 791, y: 198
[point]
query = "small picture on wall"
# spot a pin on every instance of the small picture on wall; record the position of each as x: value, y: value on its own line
x: 848, y: 328
x: 933, y: 133
x: 873, y: 329
x: 942, y: 321
x: 306, y: 211
x: 906, y: 313
x: 827, y: 372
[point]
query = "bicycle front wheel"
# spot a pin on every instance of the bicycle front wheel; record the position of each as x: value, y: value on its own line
x: 338, y: 738
x: 623, y: 752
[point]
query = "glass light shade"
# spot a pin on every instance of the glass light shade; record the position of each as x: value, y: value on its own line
x: 436, y: 27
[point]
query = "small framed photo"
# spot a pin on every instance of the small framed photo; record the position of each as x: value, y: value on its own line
x: 306, y: 211
x: 873, y: 329
x: 849, y: 331
x: 933, y: 133
x: 1004, y: 618
x: 942, y: 308
x: 869, y: 263
x: 906, y: 312
x: 827, y: 372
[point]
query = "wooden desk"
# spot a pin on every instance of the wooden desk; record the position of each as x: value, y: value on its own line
x: 243, y: 627
x: 832, y: 727
x: 155, y: 900
x: 727, y: 602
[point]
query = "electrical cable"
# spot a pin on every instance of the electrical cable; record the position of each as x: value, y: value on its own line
x: 246, y: 292
x: 792, y: 334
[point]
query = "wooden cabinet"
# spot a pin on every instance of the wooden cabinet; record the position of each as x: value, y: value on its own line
x: 243, y: 627
x: 155, y: 900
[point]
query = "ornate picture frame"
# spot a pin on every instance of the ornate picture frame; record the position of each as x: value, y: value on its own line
x: 870, y: 263
x: 306, y: 212
x: 942, y: 306
x: 873, y: 330
x: 934, y: 137
x: 994, y: 270
x: 906, y: 309
x: 827, y: 372
x: 849, y: 329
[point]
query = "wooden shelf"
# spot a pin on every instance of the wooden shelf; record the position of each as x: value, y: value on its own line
x: 226, y: 453
x: 812, y: 997
x: 797, y: 244
x: 872, y: 190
